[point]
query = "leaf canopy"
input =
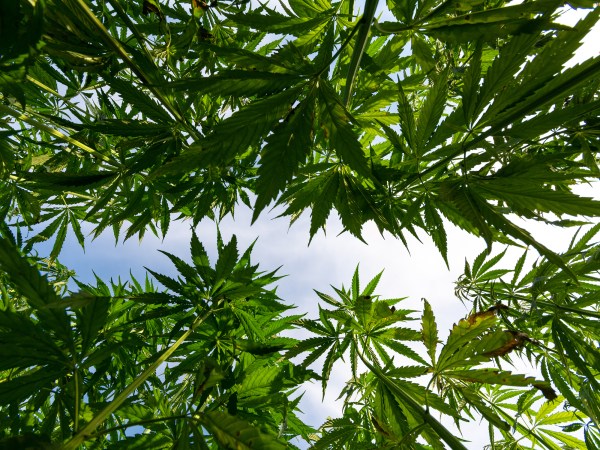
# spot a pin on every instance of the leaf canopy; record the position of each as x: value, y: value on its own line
x: 413, y: 115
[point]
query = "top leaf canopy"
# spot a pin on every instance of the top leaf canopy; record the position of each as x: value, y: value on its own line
x: 403, y: 113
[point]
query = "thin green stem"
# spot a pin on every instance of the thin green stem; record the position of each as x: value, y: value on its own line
x: 77, y: 399
x: 88, y: 431
x: 362, y: 40
x: 143, y: 422
x: 48, y: 89
x: 581, y: 312
x: 39, y: 125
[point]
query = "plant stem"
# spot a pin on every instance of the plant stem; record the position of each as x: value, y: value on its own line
x: 88, y: 431
x: 359, y: 49
x: 77, y: 399
x: 445, y: 434
x: 548, y: 304
x: 339, y: 50
x: 41, y: 85
x: 144, y: 422
x: 53, y: 132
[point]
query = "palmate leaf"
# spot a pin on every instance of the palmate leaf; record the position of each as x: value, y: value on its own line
x: 235, y: 134
x: 483, y: 216
x: 35, y: 288
x: 501, y: 73
x: 24, y: 386
x: 336, y: 122
x: 429, y: 331
x: 543, y: 80
x: 431, y: 111
x: 463, y: 334
x: 285, y: 151
x: 337, y: 433
x: 236, y: 434
x: 239, y: 83
x: 525, y: 196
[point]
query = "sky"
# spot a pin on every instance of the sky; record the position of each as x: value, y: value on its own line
x: 416, y: 273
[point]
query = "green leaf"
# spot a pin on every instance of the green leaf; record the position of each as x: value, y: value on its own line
x: 463, y: 334
x: 285, y: 151
x: 34, y: 287
x: 558, y: 118
x: 490, y: 376
x: 19, y: 388
x: 235, y: 433
x: 523, y: 195
x: 233, y: 135
x: 260, y: 382
x: 92, y: 319
x: 435, y: 228
x: 323, y: 199
x: 228, y: 257
x: 429, y: 331
x: 238, y: 83
x: 363, y: 307
x: 407, y: 120
x: 431, y: 111
x: 139, y: 99
x: 336, y: 122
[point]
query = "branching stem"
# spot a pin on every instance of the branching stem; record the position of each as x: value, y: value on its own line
x: 89, y: 430
x: 445, y: 434
x: 63, y: 137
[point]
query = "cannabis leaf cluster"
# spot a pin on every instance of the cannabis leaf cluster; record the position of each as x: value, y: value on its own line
x: 412, y: 115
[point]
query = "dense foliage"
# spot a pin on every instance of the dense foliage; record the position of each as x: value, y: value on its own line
x: 130, y: 114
